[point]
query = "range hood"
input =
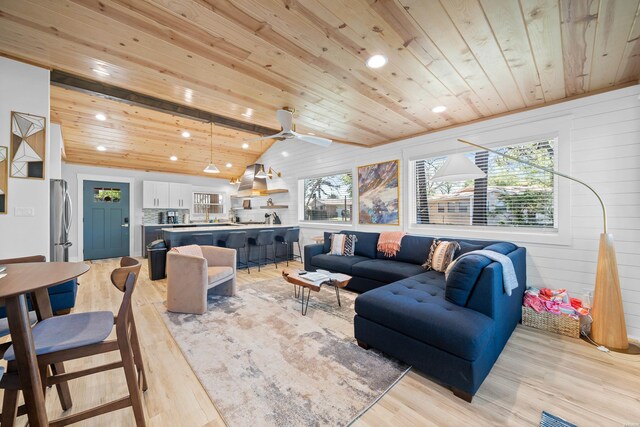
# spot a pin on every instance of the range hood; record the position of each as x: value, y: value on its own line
x: 250, y: 185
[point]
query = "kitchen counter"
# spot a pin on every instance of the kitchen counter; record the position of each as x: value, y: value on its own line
x: 152, y: 232
x: 226, y: 227
x: 192, y: 224
x: 215, y: 235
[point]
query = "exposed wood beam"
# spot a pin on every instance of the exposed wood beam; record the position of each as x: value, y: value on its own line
x: 92, y: 87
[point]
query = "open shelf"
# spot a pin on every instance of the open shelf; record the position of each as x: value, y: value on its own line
x: 263, y: 193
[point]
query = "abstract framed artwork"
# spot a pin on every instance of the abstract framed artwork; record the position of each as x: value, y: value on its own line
x: 4, y: 179
x: 379, y: 193
x: 28, y: 145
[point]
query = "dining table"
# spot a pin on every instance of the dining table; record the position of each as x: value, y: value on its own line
x: 34, y: 278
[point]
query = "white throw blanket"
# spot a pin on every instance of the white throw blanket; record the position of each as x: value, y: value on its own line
x: 509, y: 278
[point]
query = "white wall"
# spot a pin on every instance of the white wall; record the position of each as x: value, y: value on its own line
x: 70, y: 174
x: 56, y: 144
x: 24, y: 88
x: 604, y: 140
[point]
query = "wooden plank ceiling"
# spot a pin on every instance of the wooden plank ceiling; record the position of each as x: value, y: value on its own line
x: 244, y: 59
x: 141, y: 138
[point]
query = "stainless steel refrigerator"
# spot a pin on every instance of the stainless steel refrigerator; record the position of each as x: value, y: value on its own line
x: 61, y: 217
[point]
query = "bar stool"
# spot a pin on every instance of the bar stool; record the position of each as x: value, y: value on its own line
x: 264, y: 239
x: 237, y: 240
x: 290, y: 237
x: 203, y: 239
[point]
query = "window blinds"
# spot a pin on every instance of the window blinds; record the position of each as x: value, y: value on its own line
x: 511, y: 195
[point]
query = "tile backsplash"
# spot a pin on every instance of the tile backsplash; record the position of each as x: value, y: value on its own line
x: 152, y: 216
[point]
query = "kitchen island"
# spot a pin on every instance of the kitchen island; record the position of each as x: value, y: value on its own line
x: 185, y: 235
x: 153, y: 232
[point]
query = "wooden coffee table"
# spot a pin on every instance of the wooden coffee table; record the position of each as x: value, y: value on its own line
x: 291, y: 275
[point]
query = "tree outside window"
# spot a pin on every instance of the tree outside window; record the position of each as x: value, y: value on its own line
x: 328, y: 198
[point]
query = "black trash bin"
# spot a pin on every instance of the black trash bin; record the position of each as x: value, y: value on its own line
x: 157, y: 257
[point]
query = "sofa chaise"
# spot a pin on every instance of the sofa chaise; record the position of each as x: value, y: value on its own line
x: 453, y: 330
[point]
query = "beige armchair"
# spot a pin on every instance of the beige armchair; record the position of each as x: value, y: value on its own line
x: 189, y: 278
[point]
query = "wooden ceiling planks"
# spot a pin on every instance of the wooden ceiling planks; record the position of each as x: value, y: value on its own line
x: 615, y: 20
x: 141, y: 138
x: 244, y: 59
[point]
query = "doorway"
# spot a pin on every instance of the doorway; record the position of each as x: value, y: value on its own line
x: 106, y: 222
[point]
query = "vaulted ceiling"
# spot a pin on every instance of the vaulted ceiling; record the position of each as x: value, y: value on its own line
x: 141, y: 138
x: 244, y: 59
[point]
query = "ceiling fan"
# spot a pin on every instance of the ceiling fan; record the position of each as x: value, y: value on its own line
x: 285, y: 117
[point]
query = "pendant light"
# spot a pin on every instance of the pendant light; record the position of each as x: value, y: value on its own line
x: 211, y: 168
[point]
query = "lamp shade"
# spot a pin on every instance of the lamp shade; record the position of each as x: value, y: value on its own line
x: 211, y: 168
x: 458, y: 167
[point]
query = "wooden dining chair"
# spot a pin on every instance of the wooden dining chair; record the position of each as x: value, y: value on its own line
x: 73, y: 336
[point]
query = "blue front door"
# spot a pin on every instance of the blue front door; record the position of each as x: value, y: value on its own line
x: 106, y: 219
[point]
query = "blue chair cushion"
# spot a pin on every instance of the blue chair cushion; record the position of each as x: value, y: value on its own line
x: 62, y: 296
x: 413, y: 249
x: 63, y: 287
x: 4, y: 323
x: 463, y: 277
x: 420, y: 311
x: 339, y: 264
x: 386, y: 271
x: 69, y: 331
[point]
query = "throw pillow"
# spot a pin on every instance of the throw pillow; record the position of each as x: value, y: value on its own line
x: 440, y: 255
x: 343, y: 244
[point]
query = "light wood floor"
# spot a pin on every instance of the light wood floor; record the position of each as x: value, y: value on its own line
x: 536, y: 372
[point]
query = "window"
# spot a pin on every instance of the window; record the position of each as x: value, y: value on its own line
x: 106, y: 195
x: 207, y: 203
x: 328, y: 198
x: 512, y: 194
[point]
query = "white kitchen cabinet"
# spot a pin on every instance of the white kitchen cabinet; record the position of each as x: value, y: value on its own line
x: 179, y: 196
x: 155, y: 194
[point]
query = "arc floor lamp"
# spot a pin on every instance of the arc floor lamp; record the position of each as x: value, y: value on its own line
x: 608, y: 328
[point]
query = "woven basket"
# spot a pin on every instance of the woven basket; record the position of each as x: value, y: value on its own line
x: 556, y: 323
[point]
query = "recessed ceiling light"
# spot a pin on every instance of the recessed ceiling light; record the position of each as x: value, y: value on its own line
x: 101, y: 148
x: 376, y: 61
x: 245, y: 145
x: 101, y: 117
x: 285, y: 154
x: 228, y: 165
x: 439, y: 109
x: 173, y: 158
x: 101, y: 72
x: 188, y: 95
x: 186, y: 134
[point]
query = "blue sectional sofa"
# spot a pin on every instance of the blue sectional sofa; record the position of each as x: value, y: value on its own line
x: 452, y: 330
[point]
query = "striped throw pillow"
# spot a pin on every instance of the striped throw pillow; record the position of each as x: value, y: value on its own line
x: 343, y: 244
x: 440, y: 255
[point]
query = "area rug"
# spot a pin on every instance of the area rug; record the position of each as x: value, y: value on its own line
x: 263, y: 363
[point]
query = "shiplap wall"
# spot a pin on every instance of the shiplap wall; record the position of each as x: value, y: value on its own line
x: 604, y: 151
